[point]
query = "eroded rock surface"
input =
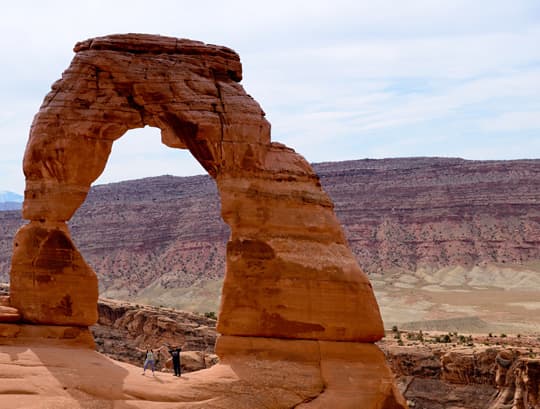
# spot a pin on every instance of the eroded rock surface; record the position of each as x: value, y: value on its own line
x: 50, y: 281
x: 294, y: 300
x: 517, y: 381
x: 290, y: 272
x: 123, y: 327
x: 481, y: 375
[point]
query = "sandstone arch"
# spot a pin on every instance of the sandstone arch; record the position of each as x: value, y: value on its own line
x: 290, y: 273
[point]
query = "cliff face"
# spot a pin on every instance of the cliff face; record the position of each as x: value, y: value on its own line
x: 403, y: 214
x: 478, y: 373
x: 123, y: 327
x: 161, y: 240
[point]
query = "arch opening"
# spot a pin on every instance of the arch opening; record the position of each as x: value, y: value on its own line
x: 140, y: 153
x: 159, y: 239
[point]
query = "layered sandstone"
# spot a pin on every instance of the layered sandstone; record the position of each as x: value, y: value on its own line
x: 430, y: 213
x: 123, y: 327
x: 517, y: 380
x: 50, y: 281
x: 294, y: 300
x: 477, y: 372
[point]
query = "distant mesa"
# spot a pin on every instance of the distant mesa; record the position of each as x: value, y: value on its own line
x: 10, y: 200
x: 7, y: 196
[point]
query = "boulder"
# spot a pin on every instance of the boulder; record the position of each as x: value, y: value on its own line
x: 191, y: 361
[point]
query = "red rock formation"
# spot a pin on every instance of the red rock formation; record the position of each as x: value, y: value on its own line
x: 290, y: 273
x: 52, y: 335
x: 517, y: 380
x: 50, y: 281
x: 480, y: 374
x: 123, y: 327
x: 9, y: 314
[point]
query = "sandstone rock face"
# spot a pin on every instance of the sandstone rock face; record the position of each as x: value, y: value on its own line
x: 517, y: 380
x: 50, y: 281
x: 9, y: 314
x: 123, y: 327
x: 436, y: 377
x: 52, y: 335
x: 290, y: 273
x: 469, y: 365
x: 44, y: 377
x: 474, y: 373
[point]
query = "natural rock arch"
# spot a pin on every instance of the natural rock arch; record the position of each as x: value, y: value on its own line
x: 290, y: 273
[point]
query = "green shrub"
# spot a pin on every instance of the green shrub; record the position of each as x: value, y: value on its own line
x: 211, y: 315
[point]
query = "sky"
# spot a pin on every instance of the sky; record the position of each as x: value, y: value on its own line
x: 338, y: 80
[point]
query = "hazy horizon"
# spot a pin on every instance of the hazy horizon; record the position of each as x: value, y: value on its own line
x: 100, y: 182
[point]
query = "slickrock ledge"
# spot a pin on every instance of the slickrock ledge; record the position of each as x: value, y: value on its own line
x: 291, y: 277
x: 255, y: 373
x: 52, y: 335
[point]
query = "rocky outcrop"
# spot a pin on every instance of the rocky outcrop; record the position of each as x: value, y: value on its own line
x: 123, y: 327
x: 293, y: 296
x: 467, y: 365
x: 466, y: 372
x: 517, y: 380
x: 18, y: 335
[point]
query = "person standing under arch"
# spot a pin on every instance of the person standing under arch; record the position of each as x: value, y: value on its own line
x: 150, y: 359
x: 175, y: 354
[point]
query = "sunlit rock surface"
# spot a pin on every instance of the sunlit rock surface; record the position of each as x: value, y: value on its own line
x: 294, y: 301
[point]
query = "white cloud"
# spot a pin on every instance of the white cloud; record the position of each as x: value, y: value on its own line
x: 513, y: 121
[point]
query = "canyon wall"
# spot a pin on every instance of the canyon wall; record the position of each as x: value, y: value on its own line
x: 162, y: 240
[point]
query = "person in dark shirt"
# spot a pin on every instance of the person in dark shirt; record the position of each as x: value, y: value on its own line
x: 175, y: 354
